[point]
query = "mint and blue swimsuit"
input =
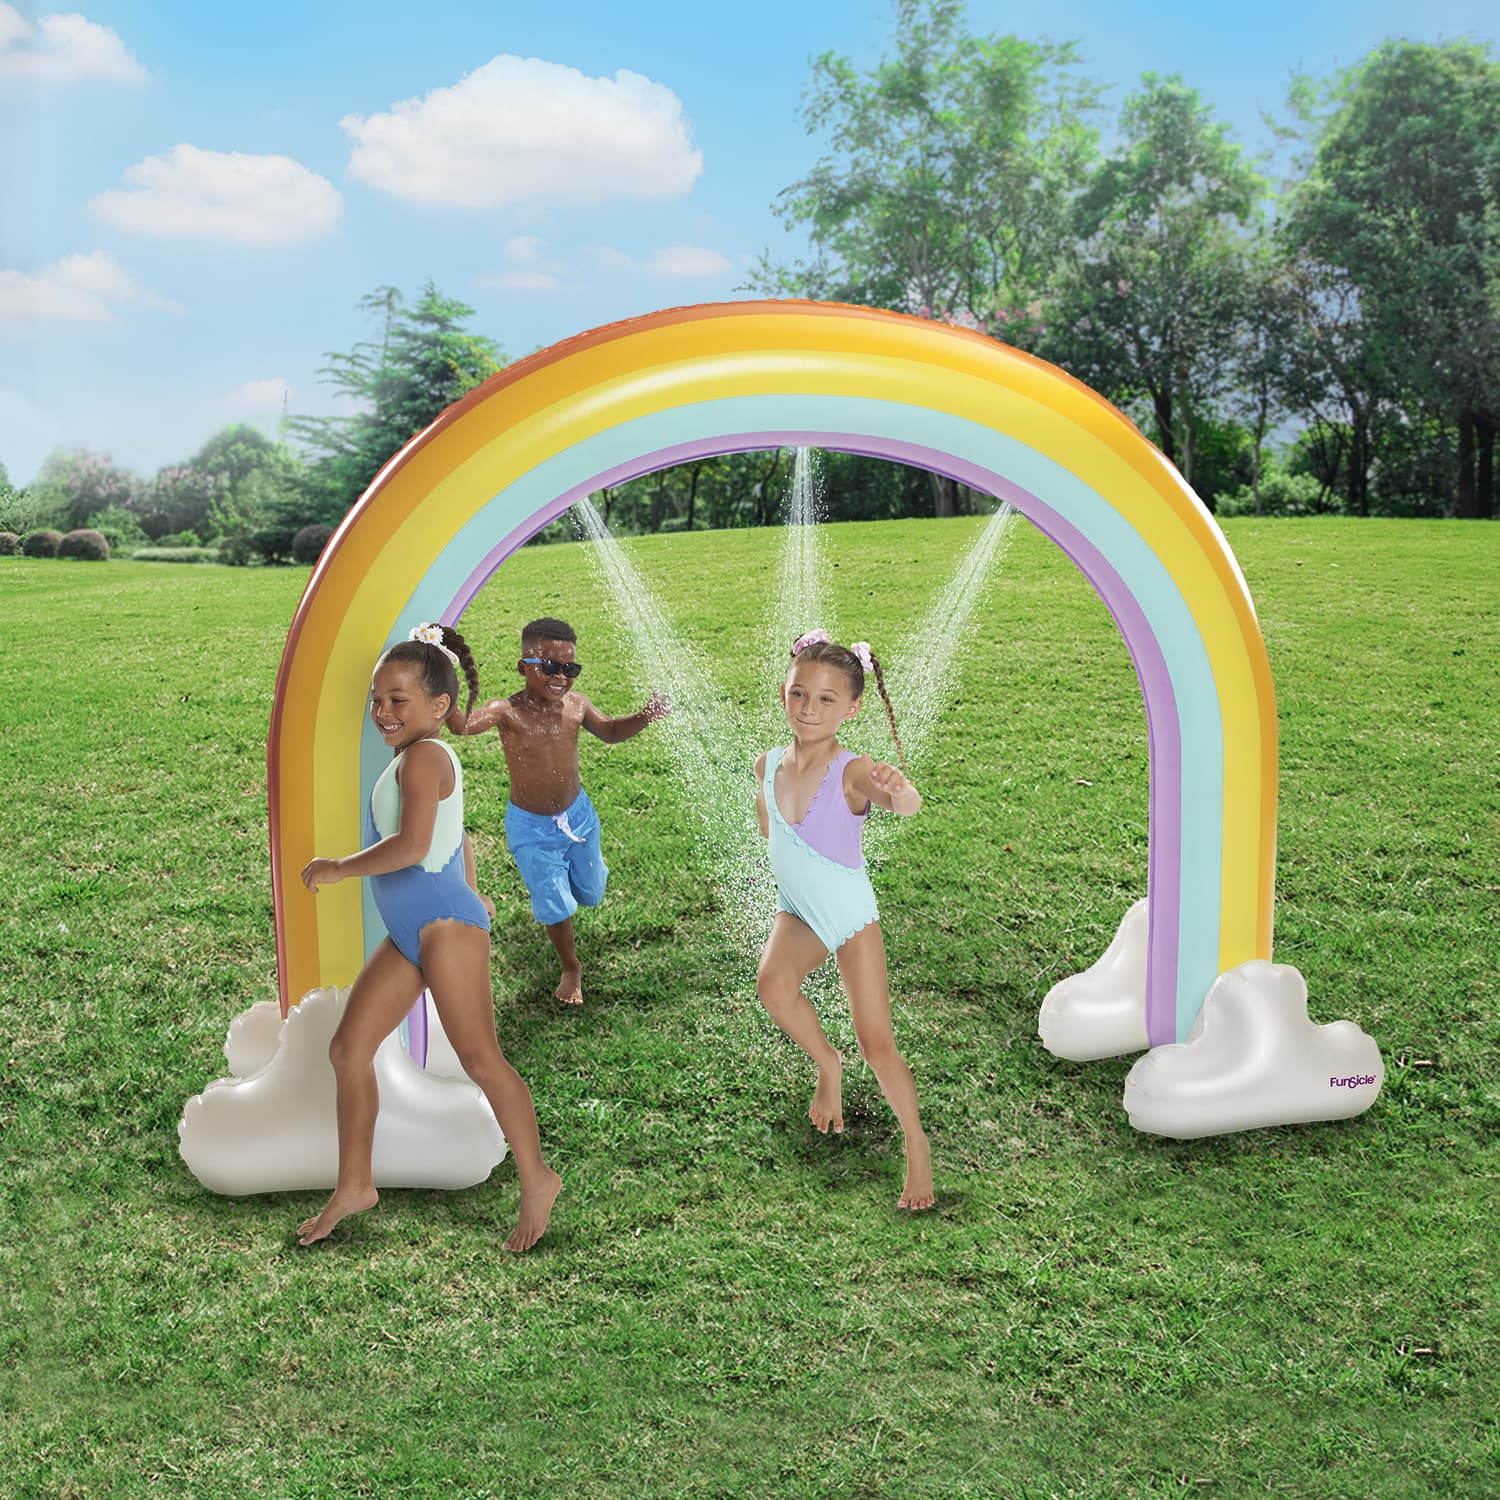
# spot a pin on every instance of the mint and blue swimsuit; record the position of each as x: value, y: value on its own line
x: 819, y: 863
x: 409, y: 899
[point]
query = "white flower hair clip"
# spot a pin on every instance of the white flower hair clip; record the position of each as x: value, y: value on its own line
x: 432, y: 635
x: 812, y: 638
x: 861, y: 649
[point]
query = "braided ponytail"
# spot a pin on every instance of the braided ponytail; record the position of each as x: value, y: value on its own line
x: 460, y: 648
x: 890, y: 713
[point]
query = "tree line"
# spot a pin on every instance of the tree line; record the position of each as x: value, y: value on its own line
x: 1323, y: 344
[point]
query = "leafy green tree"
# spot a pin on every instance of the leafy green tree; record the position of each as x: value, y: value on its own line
x: 946, y: 185
x: 1146, y: 307
x: 423, y: 362
x: 180, y: 498
x: 1403, y: 202
x: 17, y: 513
x: 74, y: 485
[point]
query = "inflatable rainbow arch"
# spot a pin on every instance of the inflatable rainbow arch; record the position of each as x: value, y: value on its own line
x: 624, y: 400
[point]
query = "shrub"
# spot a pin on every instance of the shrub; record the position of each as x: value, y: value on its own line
x: 180, y: 539
x: 176, y: 554
x: 237, y: 550
x: 10, y: 544
x: 84, y: 544
x: 308, y: 544
x: 41, y: 543
x: 1281, y: 494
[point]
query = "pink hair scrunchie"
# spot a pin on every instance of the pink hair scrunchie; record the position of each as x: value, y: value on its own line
x: 861, y: 649
x: 812, y: 638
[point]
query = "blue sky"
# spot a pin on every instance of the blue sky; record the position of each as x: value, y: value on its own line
x: 196, y: 197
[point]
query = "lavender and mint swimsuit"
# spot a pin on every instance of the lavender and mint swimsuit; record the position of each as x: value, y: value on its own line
x: 818, y: 863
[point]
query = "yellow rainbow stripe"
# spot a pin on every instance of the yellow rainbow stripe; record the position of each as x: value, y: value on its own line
x: 625, y: 399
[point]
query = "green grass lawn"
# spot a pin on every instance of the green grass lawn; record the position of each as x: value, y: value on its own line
x: 727, y: 1303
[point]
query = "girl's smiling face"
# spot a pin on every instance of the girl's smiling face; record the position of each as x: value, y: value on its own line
x: 401, y: 708
x: 817, y: 700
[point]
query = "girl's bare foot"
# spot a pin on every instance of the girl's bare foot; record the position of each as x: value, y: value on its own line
x: 827, y: 1106
x: 345, y: 1201
x: 536, y: 1209
x: 918, y: 1193
x: 570, y: 987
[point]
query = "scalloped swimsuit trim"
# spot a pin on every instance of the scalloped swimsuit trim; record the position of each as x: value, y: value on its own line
x: 833, y: 898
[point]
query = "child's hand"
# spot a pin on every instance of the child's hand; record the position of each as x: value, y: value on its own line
x: 318, y: 872
x: 658, y: 706
x: 887, y: 778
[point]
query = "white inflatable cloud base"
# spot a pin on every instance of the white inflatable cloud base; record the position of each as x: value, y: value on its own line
x: 1255, y: 1060
x: 1101, y: 1012
x: 271, y: 1128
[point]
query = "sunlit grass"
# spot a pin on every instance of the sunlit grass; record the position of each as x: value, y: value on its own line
x: 728, y: 1303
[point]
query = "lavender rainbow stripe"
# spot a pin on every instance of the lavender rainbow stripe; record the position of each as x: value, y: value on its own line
x: 1158, y: 630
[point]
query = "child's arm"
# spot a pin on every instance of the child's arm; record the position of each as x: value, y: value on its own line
x: 486, y: 716
x: 422, y: 775
x: 882, y: 784
x: 473, y: 878
x: 612, y: 731
x: 760, y: 796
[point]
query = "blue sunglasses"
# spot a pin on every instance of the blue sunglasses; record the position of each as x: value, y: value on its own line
x: 568, y: 669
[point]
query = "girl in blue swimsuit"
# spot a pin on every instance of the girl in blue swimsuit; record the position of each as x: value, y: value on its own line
x: 420, y: 867
x: 812, y: 797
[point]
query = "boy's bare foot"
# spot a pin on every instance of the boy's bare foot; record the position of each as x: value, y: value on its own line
x: 918, y: 1193
x: 536, y: 1209
x: 827, y: 1106
x: 339, y: 1206
x: 570, y: 987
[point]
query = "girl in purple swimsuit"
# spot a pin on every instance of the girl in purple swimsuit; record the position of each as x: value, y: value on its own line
x: 812, y: 797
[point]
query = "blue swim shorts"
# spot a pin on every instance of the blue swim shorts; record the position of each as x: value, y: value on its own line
x: 559, y: 858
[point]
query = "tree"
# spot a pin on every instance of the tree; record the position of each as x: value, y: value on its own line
x: 75, y: 485
x: 1148, y: 303
x: 1403, y: 201
x: 180, y: 498
x: 424, y: 362
x: 945, y: 191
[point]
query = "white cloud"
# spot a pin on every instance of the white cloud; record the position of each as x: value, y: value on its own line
x: 688, y: 260
x: 523, y: 130
x: 195, y: 194
x: 523, y: 247
x: 271, y: 1127
x: 272, y: 392
x: 536, y: 272
x: 1254, y: 1058
x: 63, y: 49
x: 680, y: 260
x: 1102, y: 1011
x: 75, y: 289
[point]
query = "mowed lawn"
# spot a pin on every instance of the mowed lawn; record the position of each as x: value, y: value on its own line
x: 728, y: 1304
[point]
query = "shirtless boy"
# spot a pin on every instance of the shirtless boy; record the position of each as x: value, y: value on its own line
x: 550, y: 824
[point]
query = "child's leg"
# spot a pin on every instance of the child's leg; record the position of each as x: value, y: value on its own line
x: 386, y: 989
x: 863, y: 970
x: 792, y: 953
x: 456, y: 965
x: 570, y: 986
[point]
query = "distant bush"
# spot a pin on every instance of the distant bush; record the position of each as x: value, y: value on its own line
x: 41, y: 543
x: 10, y: 544
x: 238, y: 551
x: 86, y: 545
x: 177, y: 554
x: 308, y: 544
x: 179, y: 539
x: 1281, y: 494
